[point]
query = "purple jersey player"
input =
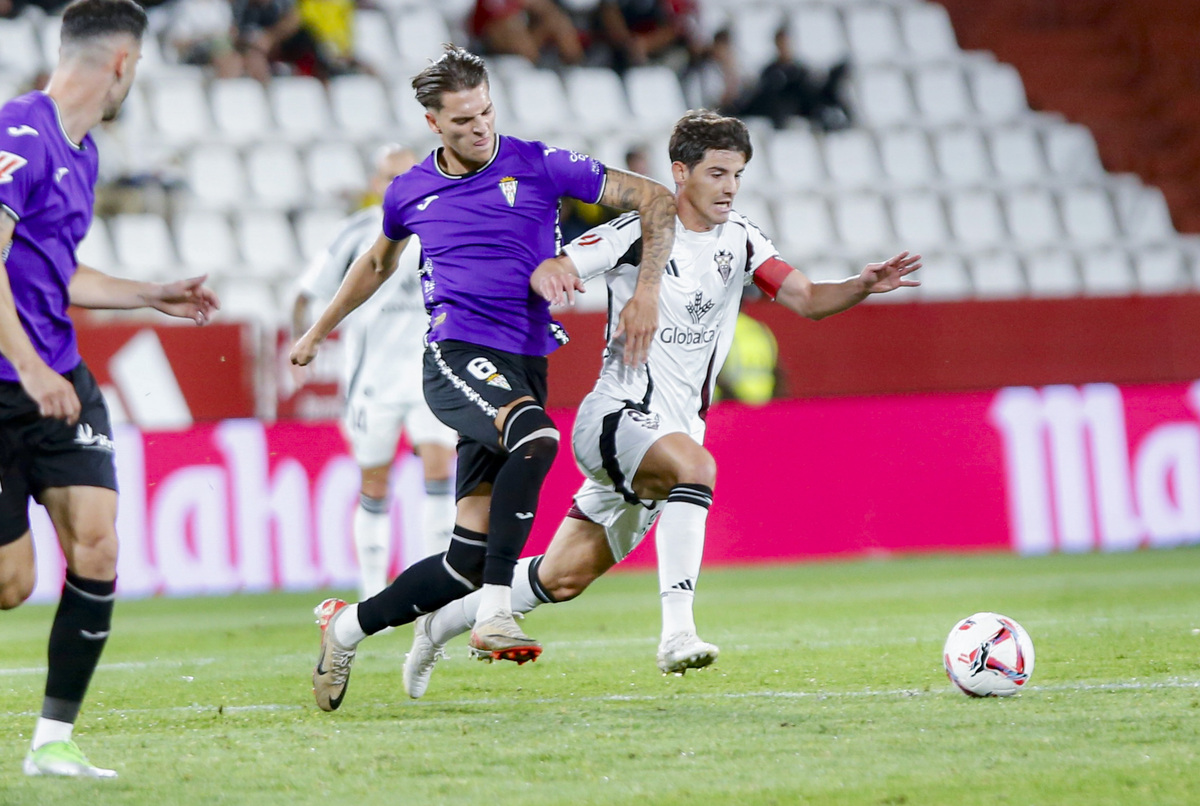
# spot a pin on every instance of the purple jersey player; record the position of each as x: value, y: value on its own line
x: 55, y: 437
x: 485, y: 208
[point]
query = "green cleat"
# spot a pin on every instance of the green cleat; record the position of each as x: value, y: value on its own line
x: 65, y: 759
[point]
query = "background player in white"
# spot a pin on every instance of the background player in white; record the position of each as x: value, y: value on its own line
x: 638, y: 435
x: 383, y: 342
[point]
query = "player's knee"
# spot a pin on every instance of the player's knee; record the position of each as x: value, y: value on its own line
x: 529, y: 431
x: 16, y: 588
x: 95, y: 553
x: 466, y: 554
x: 698, y: 468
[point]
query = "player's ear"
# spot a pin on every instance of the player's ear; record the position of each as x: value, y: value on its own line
x: 432, y: 123
x: 679, y: 172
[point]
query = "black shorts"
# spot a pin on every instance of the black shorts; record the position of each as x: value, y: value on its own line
x: 37, y: 452
x: 465, y: 386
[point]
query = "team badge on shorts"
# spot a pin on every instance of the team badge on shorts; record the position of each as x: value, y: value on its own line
x: 486, y: 371
x: 644, y: 419
x: 508, y: 185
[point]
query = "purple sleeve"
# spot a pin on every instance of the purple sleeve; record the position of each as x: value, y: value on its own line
x: 393, y: 222
x: 20, y: 163
x: 574, y: 174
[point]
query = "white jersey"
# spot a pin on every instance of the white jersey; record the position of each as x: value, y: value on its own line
x: 383, y: 339
x: 701, y: 291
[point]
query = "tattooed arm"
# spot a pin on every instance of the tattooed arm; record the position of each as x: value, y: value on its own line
x: 656, y: 206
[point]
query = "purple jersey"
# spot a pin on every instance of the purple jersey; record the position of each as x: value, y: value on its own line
x: 47, y: 185
x: 483, y: 234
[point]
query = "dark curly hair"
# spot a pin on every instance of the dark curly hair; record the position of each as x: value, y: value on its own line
x: 701, y: 131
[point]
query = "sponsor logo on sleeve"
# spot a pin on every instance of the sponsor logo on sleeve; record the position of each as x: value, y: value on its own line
x: 10, y: 163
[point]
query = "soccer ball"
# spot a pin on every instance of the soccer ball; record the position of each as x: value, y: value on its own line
x: 988, y: 655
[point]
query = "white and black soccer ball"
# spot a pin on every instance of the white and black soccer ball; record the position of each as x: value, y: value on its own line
x: 988, y: 655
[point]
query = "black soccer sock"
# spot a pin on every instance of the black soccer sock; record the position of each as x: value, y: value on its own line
x: 514, y: 503
x: 77, y: 638
x: 427, y: 585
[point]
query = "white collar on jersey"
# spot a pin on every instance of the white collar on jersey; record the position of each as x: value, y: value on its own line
x: 437, y: 162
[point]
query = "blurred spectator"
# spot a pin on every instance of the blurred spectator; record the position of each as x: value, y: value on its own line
x: 714, y: 80
x: 638, y: 160
x: 270, y: 34
x: 526, y: 28
x: 201, y: 31
x: 787, y: 88
x: 331, y: 22
x: 751, y: 372
x: 644, y: 31
x: 137, y: 174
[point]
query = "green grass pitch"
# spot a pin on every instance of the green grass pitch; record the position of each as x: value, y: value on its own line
x: 829, y: 689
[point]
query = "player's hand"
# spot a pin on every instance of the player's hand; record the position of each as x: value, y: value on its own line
x: 556, y: 281
x: 54, y: 394
x: 187, y: 299
x: 889, y: 275
x: 638, y: 322
x: 305, y: 350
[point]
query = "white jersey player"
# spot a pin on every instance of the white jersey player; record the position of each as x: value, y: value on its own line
x: 383, y: 342
x: 638, y: 435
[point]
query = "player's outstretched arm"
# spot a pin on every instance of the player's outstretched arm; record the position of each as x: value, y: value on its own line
x: 53, y: 393
x: 818, y: 300
x: 186, y: 299
x: 655, y: 204
x: 364, y: 278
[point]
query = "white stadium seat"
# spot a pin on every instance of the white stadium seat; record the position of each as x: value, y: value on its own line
x: 1088, y: 216
x: 216, y: 177
x: 1032, y: 218
x: 1161, y: 270
x: 315, y: 229
x: 276, y: 176
x: 360, y: 107
x: 206, y: 244
x: 249, y: 299
x: 804, y: 227
x: 1071, y: 152
x: 334, y: 171
x: 300, y: 107
x: 420, y: 32
x: 373, y: 43
x: 998, y: 92
x: 920, y: 221
x: 943, y: 277
x: 975, y: 219
x: 1017, y: 155
x: 862, y: 223
x: 818, y: 36
x: 96, y: 249
x: 1144, y: 215
x: 962, y: 157
x: 143, y: 246
x: 941, y: 95
x: 596, y: 98
x: 754, y: 28
x: 179, y: 108
x: 851, y: 159
x: 267, y: 244
x: 997, y: 275
x: 884, y: 96
x: 20, y: 51
x: 794, y: 158
x: 907, y: 160
x: 873, y: 34
x: 240, y: 109
x: 927, y: 32
x: 1107, y: 273
x: 755, y: 208
x: 655, y: 97
x: 1053, y: 274
x: 538, y: 101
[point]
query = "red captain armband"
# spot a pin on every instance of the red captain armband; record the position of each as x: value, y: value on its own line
x: 770, y: 275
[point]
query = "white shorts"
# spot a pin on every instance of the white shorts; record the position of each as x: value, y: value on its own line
x: 611, y: 439
x: 373, y: 429
x: 625, y: 524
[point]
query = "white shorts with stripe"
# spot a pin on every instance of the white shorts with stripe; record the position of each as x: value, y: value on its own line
x: 373, y: 428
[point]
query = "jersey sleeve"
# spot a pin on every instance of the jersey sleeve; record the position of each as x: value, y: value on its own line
x: 574, y: 174
x: 393, y: 205
x: 22, y: 158
x: 759, y: 250
x: 601, y: 248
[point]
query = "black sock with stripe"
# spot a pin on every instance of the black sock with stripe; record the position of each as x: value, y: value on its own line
x: 77, y: 638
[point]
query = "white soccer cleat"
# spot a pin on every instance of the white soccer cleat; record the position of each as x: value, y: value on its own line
x: 683, y: 651
x: 332, y: 673
x: 63, y: 759
x: 420, y: 660
x: 499, y: 638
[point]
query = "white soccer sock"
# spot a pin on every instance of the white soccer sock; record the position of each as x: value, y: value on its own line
x: 50, y: 730
x: 459, y: 616
x: 372, y: 542
x: 438, y: 517
x: 493, y: 600
x: 346, y: 630
x: 680, y: 545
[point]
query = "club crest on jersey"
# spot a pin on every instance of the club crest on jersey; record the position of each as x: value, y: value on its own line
x: 724, y: 261
x: 508, y: 185
x: 697, y: 306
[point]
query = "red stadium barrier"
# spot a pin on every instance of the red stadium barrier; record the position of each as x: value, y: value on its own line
x: 240, y: 505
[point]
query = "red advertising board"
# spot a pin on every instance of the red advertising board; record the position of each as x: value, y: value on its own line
x: 242, y: 505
